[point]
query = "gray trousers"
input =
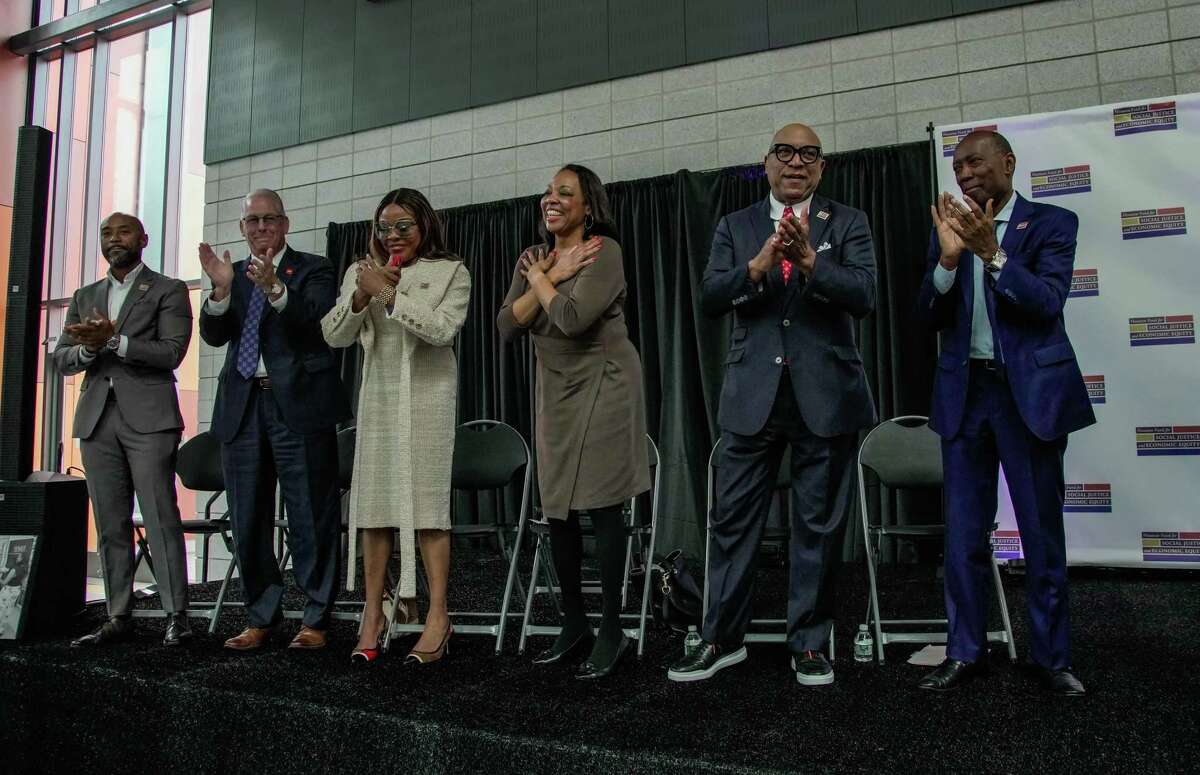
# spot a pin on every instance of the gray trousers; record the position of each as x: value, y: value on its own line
x: 121, y: 462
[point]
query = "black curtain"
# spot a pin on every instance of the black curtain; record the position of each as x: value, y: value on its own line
x: 666, y: 226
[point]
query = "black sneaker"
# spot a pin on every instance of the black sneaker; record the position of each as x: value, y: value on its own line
x: 705, y: 663
x: 812, y: 669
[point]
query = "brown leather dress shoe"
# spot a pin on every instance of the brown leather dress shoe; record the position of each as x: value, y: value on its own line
x: 308, y: 638
x: 250, y: 639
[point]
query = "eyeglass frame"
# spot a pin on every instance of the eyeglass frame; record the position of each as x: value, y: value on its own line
x: 394, y: 226
x: 254, y: 221
x: 795, y: 151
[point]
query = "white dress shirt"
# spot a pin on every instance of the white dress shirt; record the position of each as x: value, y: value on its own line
x: 218, y: 308
x: 943, y: 279
x: 118, y: 291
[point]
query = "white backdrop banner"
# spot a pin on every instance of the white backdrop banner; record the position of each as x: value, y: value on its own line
x: 1131, y: 172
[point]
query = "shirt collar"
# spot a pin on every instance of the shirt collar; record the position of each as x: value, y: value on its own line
x: 132, y: 273
x: 777, y: 206
x: 1005, y: 214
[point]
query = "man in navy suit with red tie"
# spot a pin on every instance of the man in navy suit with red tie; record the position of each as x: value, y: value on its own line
x: 1007, y: 392
x: 796, y: 270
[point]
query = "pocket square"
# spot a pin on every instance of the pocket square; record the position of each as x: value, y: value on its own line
x: 824, y: 246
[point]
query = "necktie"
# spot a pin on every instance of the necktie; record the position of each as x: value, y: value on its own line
x: 989, y: 297
x: 247, y: 360
x: 786, y: 266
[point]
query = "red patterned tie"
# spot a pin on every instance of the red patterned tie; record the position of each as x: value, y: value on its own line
x: 786, y: 265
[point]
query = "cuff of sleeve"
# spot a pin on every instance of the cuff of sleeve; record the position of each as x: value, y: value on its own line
x: 281, y: 302
x: 218, y: 307
x: 943, y: 278
x: 84, y: 355
x: 123, y: 346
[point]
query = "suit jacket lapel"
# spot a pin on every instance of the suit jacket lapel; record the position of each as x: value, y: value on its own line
x: 142, y: 283
x: 1021, y: 213
x: 763, y: 227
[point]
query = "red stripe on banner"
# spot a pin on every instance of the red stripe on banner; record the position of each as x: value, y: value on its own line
x: 1170, y: 210
x: 1093, y: 377
x: 1160, y: 105
x: 1178, y: 318
x: 1098, y: 487
x: 1007, y: 533
x: 1086, y: 272
x: 1191, y: 536
x: 1077, y: 168
x: 1186, y: 428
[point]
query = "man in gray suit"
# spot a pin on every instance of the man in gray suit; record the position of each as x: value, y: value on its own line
x: 129, y: 332
x: 795, y: 270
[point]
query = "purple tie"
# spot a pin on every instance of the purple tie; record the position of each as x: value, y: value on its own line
x: 247, y: 360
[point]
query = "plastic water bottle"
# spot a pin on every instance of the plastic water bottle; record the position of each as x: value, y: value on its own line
x: 691, y: 642
x: 864, y: 645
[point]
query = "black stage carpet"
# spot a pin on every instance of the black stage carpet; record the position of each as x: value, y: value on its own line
x: 139, y: 707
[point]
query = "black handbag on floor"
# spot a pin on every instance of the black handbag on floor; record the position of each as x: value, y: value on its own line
x: 678, y: 594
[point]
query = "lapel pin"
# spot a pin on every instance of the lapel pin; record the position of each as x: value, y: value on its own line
x: 1022, y: 224
x: 144, y: 287
x: 823, y: 215
x: 289, y: 271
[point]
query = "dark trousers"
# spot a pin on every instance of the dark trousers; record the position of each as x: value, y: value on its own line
x: 993, y: 434
x: 263, y: 452
x: 820, y: 498
x: 121, y: 462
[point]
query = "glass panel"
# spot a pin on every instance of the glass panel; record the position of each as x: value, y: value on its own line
x: 191, y: 168
x: 53, y: 92
x: 72, y: 249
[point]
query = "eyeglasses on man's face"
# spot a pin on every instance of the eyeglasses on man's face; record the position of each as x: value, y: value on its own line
x: 785, y: 153
x: 401, y: 228
x: 265, y: 221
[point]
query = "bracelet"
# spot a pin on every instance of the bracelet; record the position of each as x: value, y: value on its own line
x: 386, y: 295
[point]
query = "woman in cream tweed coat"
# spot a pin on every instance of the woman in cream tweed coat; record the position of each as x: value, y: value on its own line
x: 405, y: 305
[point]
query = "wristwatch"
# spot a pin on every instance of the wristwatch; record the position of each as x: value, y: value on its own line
x: 113, y: 342
x: 997, y: 262
x: 276, y: 289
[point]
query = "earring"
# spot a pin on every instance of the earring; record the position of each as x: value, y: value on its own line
x: 588, y: 222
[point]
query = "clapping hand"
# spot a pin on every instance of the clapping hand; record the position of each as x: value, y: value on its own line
x: 219, y: 270
x: 372, y: 278
x: 569, y: 262
x: 793, y: 235
x: 261, y: 271
x: 93, y: 332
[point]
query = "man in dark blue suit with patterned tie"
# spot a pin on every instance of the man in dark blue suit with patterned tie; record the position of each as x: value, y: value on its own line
x: 796, y: 270
x: 278, y: 403
x: 1007, y: 392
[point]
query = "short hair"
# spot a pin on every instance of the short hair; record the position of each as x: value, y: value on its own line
x: 595, y: 196
x: 433, y: 234
x: 141, y: 226
x: 268, y: 194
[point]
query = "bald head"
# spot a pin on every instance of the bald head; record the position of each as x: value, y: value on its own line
x: 792, y: 178
x: 119, y: 217
x: 270, y: 196
x: 984, y: 164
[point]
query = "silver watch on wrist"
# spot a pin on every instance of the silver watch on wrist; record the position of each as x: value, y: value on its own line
x: 998, y: 261
x: 276, y: 289
x: 113, y: 342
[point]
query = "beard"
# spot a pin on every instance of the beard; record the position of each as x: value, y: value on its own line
x: 122, y: 258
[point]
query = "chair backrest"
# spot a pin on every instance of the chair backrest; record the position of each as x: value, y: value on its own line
x: 199, y: 463
x: 903, y: 452
x: 488, y: 454
x: 346, y: 438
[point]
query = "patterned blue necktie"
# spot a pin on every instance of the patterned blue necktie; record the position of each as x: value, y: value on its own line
x: 247, y: 360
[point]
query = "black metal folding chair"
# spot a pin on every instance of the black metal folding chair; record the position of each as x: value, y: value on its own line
x: 635, y: 527
x: 904, y: 453
x: 489, y: 455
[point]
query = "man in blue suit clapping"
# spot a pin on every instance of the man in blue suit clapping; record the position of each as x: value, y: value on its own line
x: 1007, y: 392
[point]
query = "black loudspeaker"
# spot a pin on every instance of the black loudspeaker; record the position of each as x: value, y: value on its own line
x: 52, y: 508
x: 22, y: 328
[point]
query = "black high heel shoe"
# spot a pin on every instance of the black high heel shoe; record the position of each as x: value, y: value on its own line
x: 588, y: 670
x: 581, y: 645
x: 417, y: 658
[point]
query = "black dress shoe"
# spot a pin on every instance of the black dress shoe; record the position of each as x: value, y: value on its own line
x: 581, y: 645
x: 1061, y: 682
x: 115, y: 630
x: 812, y: 669
x: 951, y: 674
x: 705, y: 663
x: 178, y: 630
x: 589, y: 670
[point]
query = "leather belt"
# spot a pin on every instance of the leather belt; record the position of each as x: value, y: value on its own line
x: 263, y: 383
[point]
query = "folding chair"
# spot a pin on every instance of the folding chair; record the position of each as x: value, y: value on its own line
x: 198, y: 465
x: 634, y: 528
x: 904, y: 453
x: 782, y: 491
x: 488, y: 456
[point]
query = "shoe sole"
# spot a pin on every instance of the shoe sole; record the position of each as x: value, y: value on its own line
x: 812, y: 680
x: 728, y: 660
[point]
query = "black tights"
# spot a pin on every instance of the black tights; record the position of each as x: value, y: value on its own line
x: 566, y: 542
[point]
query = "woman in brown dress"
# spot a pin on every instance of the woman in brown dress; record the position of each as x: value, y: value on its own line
x: 569, y: 294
